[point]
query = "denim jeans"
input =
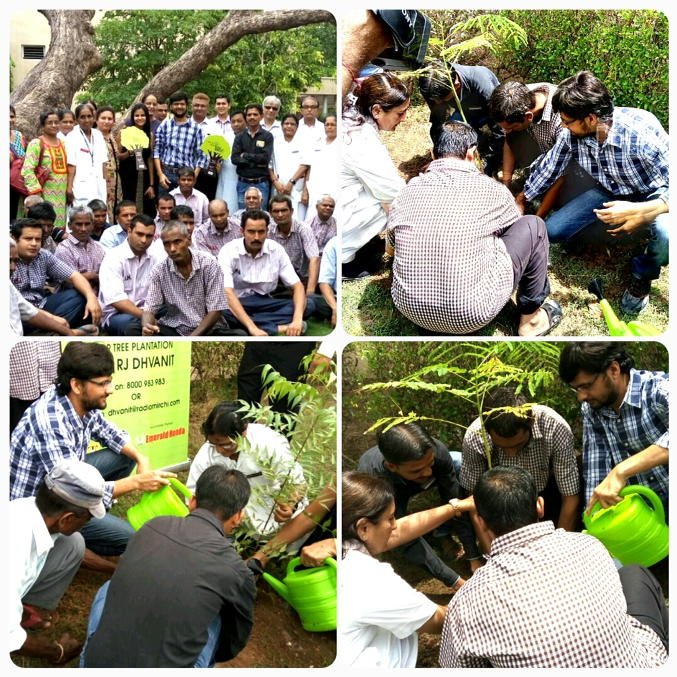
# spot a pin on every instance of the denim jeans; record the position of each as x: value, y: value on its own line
x: 244, y: 186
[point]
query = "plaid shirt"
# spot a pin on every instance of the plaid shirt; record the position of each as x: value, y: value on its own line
x: 545, y: 131
x: 32, y: 368
x: 546, y: 598
x: 85, y: 257
x: 190, y: 299
x: 634, y: 159
x: 30, y: 277
x: 300, y: 244
x: 643, y: 420
x: 452, y: 273
x: 207, y: 239
x: 197, y: 201
x: 322, y: 230
x: 550, y: 451
x: 179, y: 145
x: 51, y: 430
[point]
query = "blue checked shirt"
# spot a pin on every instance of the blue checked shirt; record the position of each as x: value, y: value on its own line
x: 51, y: 430
x: 633, y: 159
x: 609, y: 438
x: 30, y: 278
x: 179, y: 145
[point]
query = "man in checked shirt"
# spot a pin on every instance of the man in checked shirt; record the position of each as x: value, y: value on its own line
x: 626, y: 438
x: 626, y: 151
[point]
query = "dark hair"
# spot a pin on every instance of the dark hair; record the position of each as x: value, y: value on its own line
x: 166, y: 196
x: 362, y: 496
x: 105, y: 109
x: 42, y: 210
x: 454, y: 140
x: 581, y: 95
x: 80, y: 107
x: 511, y: 101
x: 97, y: 205
x: 221, y: 491
x: 404, y: 442
x: 279, y: 197
x: 592, y: 357
x: 46, y: 113
x: 16, y: 228
x: 506, y: 423
x: 186, y: 171
x: 239, y: 111
x: 65, y: 111
x: 123, y: 203
x: 52, y: 505
x: 181, y: 210
x: 224, y: 419
x: 143, y: 219
x: 290, y: 116
x: 146, y: 124
x: 383, y: 89
x: 249, y: 106
x: 437, y: 82
x: 254, y: 215
x: 178, y: 96
x: 83, y: 361
x: 222, y: 96
x: 505, y: 498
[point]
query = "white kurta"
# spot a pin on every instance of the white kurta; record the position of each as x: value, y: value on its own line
x: 88, y: 157
x: 323, y: 178
x: 287, y: 157
x: 367, y: 179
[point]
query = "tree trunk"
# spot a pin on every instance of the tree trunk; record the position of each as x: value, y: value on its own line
x: 71, y: 57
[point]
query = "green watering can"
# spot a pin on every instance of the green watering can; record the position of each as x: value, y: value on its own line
x: 633, y: 531
x: 312, y: 593
x: 157, y: 503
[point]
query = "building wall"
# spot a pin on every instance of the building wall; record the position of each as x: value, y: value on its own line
x: 26, y: 28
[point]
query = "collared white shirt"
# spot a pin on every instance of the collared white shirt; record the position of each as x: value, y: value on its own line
x: 275, y: 129
x: 124, y: 276
x: 247, y: 275
x: 309, y: 137
x: 197, y: 201
x: 222, y: 127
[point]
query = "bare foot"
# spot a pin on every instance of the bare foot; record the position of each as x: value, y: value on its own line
x: 534, y: 324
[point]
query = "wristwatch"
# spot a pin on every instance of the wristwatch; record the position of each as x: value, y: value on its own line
x: 454, y: 504
x: 293, y: 181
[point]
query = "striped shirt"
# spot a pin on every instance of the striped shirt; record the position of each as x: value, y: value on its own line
x: 179, y: 145
x: 322, y: 230
x: 247, y: 275
x: 300, y: 244
x: 643, y: 420
x: 549, y: 452
x: 197, y: 201
x: 51, y: 430
x: 207, y: 238
x: 188, y: 300
x: 546, y: 598
x: 30, y: 277
x: 85, y: 257
x: 634, y: 159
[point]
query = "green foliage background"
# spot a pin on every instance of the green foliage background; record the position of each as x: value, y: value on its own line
x: 369, y: 362
x: 138, y: 44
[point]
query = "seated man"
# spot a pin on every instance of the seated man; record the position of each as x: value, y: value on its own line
x: 253, y: 199
x: 61, y: 424
x: 78, y: 249
x: 473, y: 86
x: 217, y: 231
x: 35, y: 265
x: 541, y: 591
x: 43, y: 212
x: 525, y: 114
x: 165, y: 204
x: 100, y: 216
x: 186, y: 194
x: 535, y: 438
x: 125, y: 211
x: 67, y: 498
x: 125, y: 272
x: 297, y: 239
x: 461, y: 248
x: 252, y: 267
x: 626, y: 421
x: 626, y: 151
x: 328, y: 280
x: 198, y: 606
x: 185, y: 294
x: 413, y: 461
x: 323, y: 224
x: 265, y: 459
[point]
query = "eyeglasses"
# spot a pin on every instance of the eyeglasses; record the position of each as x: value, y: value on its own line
x: 311, y: 107
x: 585, y: 387
x: 272, y: 107
x: 102, y: 384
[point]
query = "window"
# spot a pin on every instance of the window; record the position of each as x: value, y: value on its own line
x: 33, y: 51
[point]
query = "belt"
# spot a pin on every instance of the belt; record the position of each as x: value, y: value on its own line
x: 261, y: 180
x: 166, y: 166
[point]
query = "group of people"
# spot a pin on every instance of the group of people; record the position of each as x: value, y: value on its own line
x: 243, y: 478
x: 471, y: 230
x: 163, y: 237
x: 511, y: 501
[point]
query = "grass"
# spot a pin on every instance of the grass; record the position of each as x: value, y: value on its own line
x: 368, y: 309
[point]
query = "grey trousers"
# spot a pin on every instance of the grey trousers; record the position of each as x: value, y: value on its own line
x: 62, y: 563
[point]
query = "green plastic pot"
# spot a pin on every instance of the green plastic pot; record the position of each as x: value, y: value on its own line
x: 164, y: 501
x: 311, y: 592
x: 634, y: 530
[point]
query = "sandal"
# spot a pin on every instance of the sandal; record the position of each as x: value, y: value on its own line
x: 554, y: 313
